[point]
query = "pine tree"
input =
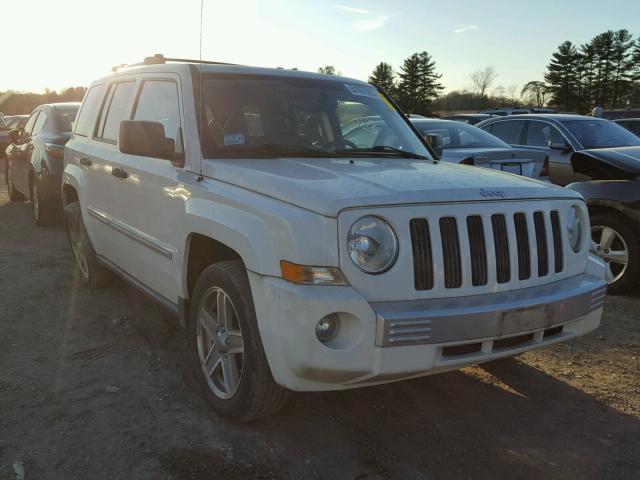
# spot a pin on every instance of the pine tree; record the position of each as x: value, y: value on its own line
x: 622, y: 75
x: 418, y: 84
x: 561, y: 76
x: 384, y: 77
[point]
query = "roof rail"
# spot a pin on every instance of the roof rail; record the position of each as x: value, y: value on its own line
x: 159, y: 59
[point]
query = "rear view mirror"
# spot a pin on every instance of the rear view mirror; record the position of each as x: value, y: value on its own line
x: 146, y: 139
x: 435, y: 141
x: 14, y: 136
x: 562, y: 146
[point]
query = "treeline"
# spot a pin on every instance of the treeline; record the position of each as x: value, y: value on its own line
x: 16, y: 103
x: 603, y: 72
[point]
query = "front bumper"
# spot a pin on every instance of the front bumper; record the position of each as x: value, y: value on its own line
x: 388, y: 341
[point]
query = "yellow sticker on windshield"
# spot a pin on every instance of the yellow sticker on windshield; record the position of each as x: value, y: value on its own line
x: 387, y: 102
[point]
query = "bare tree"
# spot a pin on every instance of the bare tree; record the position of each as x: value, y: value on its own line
x: 511, y: 91
x: 535, y: 92
x: 329, y: 70
x: 481, y: 80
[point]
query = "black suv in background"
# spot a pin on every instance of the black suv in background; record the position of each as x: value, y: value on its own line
x: 601, y: 160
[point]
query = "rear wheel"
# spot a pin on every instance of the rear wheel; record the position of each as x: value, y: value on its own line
x: 42, y: 213
x: 91, y: 272
x: 618, y: 244
x: 227, y: 352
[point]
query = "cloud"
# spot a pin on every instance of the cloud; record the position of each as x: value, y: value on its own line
x: 370, y: 24
x: 346, y: 8
x: 463, y: 27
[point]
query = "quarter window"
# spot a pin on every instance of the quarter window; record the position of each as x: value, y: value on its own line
x: 508, y: 131
x: 158, y: 102
x: 115, y: 110
x: 88, y: 110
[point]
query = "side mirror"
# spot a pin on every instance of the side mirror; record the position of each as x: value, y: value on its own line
x: 14, y: 136
x: 435, y: 141
x: 146, y: 139
x: 562, y: 146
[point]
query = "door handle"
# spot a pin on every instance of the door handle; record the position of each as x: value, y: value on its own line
x: 85, y: 161
x: 118, y: 172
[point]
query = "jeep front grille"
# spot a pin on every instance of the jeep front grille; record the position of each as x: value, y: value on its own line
x: 494, y: 242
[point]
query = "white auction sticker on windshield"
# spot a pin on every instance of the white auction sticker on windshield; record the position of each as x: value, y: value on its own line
x: 361, y: 90
x: 234, y: 139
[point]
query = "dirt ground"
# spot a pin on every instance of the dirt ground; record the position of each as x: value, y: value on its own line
x: 95, y: 385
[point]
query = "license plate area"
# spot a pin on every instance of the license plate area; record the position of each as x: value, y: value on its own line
x: 524, y: 319
x: 512, y: 168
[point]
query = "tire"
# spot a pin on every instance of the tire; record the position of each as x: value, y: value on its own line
x: 255, y: 395
x: 14, y: 195
x: 619, y: 235
x: 42, y: 211
x: 90, y: 271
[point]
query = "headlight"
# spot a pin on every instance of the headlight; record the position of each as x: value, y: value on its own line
x: 574, y: 228
x: 372, y: 245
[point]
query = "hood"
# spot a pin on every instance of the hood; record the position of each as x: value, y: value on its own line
x: 327, y: 186
x: 622, y: 163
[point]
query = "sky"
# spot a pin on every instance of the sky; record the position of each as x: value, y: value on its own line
x: 73, y: 42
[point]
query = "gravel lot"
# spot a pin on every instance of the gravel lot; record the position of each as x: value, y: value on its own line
x: 95, y: 385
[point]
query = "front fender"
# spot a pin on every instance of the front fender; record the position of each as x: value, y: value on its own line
x: 620, y: 195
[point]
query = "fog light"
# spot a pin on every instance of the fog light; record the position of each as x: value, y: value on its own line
x: 327, y: 328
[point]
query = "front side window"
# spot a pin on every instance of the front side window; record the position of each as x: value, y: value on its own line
x: 539, y: 134
x: 508, y: 131
x: 65, y: 117
x: 28, y: 127
x: 115, y: 110
x: 158, y: 102
x: 601, y: 134
x: 37, y: 128
x: 246, y: 115
x: 89, y: 110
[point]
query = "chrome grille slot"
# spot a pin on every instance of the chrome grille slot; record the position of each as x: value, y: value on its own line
x: 451, y: 252
x: 422, y: 255
x: 541, y: 244
x: 477, y: 249
x: 501, y: 246
x: 522, y: 241
x: 557, y: 241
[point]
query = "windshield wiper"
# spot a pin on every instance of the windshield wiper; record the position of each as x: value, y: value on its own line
x: 385, y: 149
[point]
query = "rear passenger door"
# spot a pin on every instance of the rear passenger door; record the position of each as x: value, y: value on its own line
x: 154, y: 198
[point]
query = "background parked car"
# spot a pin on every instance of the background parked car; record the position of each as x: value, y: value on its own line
x: 461, y: 143
x: 631, y: 124
x: 470, y: 118
x: 622, y: 113
x: 7, y: 124
x: 606, y: 158
x: 502, y: 112
x: 35, y: 159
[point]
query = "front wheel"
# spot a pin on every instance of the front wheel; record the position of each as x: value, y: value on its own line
x: 618, y: 244
x: 91, y: 272
x: 227, y: 353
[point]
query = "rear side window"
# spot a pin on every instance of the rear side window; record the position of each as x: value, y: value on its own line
x: 37, y: 128
x: 539, y: 134
x: 508, y: 131
x: 88, y: 110
x: 158, y: 102
x: 114, y: 111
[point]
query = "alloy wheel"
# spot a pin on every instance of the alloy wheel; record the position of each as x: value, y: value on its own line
x: 612, y: 248
x: 75, y: 238
x: 220, y: 344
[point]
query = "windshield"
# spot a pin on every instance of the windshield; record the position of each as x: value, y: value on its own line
x: 459, y: 135
x: 267, y: 115
x: 601, y: 134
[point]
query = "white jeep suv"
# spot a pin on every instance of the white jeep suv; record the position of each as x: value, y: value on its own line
x: 298, y: 260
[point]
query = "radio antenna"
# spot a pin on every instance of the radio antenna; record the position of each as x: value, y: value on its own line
x: 201, y: 95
